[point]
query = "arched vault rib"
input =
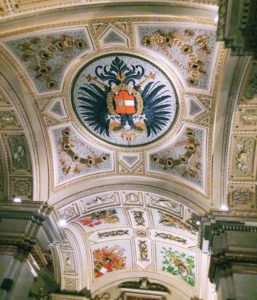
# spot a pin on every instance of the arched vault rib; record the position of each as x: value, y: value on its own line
x: 172, y: 190
x: 22, y: 101
x: 228, y: 96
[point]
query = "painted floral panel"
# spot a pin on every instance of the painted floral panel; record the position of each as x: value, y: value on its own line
x: 179, y: 264
x: 110, y: 257
x: 106, y: 218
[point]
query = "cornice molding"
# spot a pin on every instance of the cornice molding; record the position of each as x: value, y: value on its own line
x: 31, y: 8
x: 226, y: 262
x: 237, y: 26
x: 27, y: 238
x: 231, y: 243
x: 34, y: 211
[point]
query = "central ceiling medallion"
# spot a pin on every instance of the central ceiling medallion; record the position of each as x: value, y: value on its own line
x: 124, y: 100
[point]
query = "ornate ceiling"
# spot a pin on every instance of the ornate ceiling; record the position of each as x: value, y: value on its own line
x: 130, y: 232
x: 131, y: 121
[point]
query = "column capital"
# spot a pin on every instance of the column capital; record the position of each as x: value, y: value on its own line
x: 20, y: 225
x: 230, y: 242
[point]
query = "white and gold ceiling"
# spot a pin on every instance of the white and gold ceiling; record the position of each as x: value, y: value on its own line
x: 131, y: 120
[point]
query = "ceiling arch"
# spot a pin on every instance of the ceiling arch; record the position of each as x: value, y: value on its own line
x: 186, y: 170
x: 139, y: 229
x: 17, y: 163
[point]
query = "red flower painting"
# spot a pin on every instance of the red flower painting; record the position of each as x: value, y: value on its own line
x: 100, y: 217
x: 108, y: 260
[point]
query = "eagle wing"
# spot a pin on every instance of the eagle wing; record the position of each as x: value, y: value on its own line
x: 156, y: 109
x: 94, y: 108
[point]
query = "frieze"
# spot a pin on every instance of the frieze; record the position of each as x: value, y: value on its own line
x: 21, y: 249
x: 17, y: 8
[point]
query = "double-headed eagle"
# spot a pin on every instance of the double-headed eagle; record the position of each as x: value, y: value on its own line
x: 121, y: 98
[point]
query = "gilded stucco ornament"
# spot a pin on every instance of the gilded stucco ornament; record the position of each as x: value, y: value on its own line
x: 75, y: 156
x: 184, y: 157
x: 46, y: 56
x: 189, y: 49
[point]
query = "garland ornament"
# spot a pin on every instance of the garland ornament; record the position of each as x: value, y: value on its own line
x: 190, y: 149
x: 164, y: 40
x: 89, y: 161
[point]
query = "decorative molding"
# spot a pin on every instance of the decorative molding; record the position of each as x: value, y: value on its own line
x: 236, y: 26
x: 144, y: 284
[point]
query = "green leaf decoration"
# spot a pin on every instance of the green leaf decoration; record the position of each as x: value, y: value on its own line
x: 179, y: 264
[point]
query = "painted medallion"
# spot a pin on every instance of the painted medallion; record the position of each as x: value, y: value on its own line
x: 124, y: 100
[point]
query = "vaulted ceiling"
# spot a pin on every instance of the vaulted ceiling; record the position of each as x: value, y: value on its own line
x: 131, y: 120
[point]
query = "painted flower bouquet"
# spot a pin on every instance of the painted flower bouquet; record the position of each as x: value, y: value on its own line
x: 108, y: 260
